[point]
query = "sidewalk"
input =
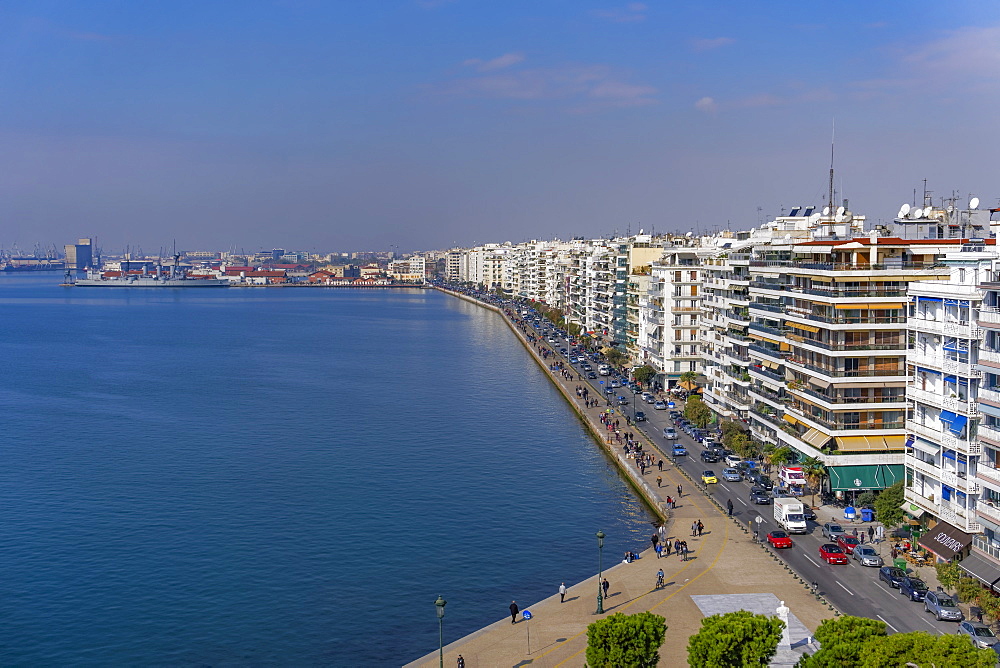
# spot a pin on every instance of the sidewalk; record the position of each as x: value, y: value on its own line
x: 723, y: 561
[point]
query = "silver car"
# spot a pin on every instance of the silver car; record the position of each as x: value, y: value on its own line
x: 943, y: 607
x: 867, y: 556
x: 731, y: 475
x: 982, y: 636
x: 831, y: 530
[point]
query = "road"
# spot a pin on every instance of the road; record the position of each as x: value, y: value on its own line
x: 853, y: 589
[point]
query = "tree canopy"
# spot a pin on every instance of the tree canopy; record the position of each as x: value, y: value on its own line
x: 735, y: 639
x: 644, y: 374
x: 625, y: 640
x: 697, y: 412
x: 887, y: 505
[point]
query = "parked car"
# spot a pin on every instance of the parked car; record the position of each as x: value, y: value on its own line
x: 640, y: 416
x: 591, y: 375
x: 660, y: 406
x: 866, y: 556
x: 649, y: 399
x: 913, y: 588
x: 848, y: 542
x: 669, y: 433
x: 731, y: 475
x: 779, y: 539
x: 674, y: 415
x: 943, y: 607
x: 752, y: 475
x: 733, y: 460
x: 982, y: 636
x: 759, y: 496
x: 832, y: 554
x: 891, y: 575
x: 831, y: 530
x: 708, y: 457
x: 767, y: 484
x: 708, y: 477
x: 809, y: 513
x: 679, y: 450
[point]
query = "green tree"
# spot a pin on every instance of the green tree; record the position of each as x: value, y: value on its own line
x: 615, y: 357
x: 697, y: 412
x: 781, y: 456
x: 814, y: 470
x: 735, y: 639
x: 887, y: 505
x: 574, y: 328
x: 644, y: 374
x: 688, y: 379
x: 923, y: 649
x: 948, y: 573
x: 842, y: 642
x: 625, y: 640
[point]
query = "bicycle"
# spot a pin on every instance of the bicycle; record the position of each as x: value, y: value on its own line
x: 659, y: 579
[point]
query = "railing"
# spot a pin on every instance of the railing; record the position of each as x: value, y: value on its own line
x: 989, y: 315
x: 764, y: 285
x: 849, y: 292
x: 982, y: 543
x: 987, y: 473
x: 769, y: 352
x: 774, y: 331
x: 841, y: 373
x: 840, y: 399
x: 844, y: 266
x: 760, y: 306
x: 843, y: 347
x: 770, y: 394
x: 766, y: 373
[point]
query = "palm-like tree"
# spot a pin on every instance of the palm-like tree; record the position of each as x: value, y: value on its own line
x: 688, y: 379
x: 814, y: 470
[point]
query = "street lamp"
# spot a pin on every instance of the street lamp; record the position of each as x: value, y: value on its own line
x: 440, y: 603
x: 600, y: 572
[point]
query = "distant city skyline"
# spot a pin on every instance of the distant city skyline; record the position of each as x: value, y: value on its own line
x: 426, y: 124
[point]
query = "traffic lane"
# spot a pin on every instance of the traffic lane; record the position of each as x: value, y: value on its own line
x: 853, y: 588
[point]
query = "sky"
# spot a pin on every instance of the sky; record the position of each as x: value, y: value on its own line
x: 423, y: 124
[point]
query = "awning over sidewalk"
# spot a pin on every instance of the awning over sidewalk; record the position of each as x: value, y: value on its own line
x: 983, y: 569
x: 945, y: 541
x: 865, y: 476
x: 815, y: 438
x: 912, y: 509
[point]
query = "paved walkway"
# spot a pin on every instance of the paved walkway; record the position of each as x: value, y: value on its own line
x: 724, y: 560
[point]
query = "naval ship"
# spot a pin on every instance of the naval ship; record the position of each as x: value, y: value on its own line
x: 170, y: 277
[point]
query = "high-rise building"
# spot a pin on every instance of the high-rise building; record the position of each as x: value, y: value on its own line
x: 79, y: 255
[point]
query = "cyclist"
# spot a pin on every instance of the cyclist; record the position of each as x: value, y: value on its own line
x: 659, y: 578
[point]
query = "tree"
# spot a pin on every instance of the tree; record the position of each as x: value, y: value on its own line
x: 573, y: 328
x: 644, y: 374
x: 814, y: 470
x: 781, y: 456
x: 688, y: 379
x: 697, y: 412
x: 948, y: 573
x: 735, y: 639
x: 923, y: 649
x: 625, y: 640
x: 887, y: 505
x: 842, y: 641
x: 615, y: 357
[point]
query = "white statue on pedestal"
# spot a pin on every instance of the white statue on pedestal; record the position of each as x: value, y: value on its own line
x: 786, y: 638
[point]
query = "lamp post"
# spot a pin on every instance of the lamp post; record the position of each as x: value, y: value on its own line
x: 440, y: 603
x: 600, y: 572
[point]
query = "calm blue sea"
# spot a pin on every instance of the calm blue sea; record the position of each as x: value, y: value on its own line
x: 279, y: 476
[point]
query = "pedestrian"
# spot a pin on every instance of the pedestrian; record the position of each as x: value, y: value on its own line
x: 666, y: 548
x: 659, y: 481
x: 871, y: 534
x: 694, y: 529
x: 654, y: 539
x: 729, y: 507
x: 701, y: 527
x: 854, y: 532
x: 461, y: 661
x: 660, y: 464
x: 893, y: 552
x: 679, y: 493
x: 562, y: 592
x: 513, y: 612
x: 659, y: 550
x: 662, y: 531
x: 605, y: 585
x: 677, y: 545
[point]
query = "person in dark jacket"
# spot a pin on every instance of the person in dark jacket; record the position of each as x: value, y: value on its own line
x: 513, y: 612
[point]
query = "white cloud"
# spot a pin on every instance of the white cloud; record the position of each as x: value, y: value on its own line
x: 587, y: 87
x: 967, y: 52
x: 633, y: 12
x: 708, y: 44
x: 498, y: 63
x: 707, y: 105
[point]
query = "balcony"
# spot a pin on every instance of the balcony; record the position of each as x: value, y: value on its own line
x: 963, y: 406
x: 961, y: 369
x: 959, y: 481
x: 928, y: 397
x: 988, y: 473
x: 989, y: 433
x: 926, y: 325
x: 845, y: 373
x: 846, y: 266
x: 989, y: 512
x: 767, y: 352
x: 928, y: 433
x: 963, y: 330
x: 972, y: 448
x: 989, y: 316
x: 929, y: 469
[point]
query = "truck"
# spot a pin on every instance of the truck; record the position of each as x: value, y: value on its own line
x: 789, y: 514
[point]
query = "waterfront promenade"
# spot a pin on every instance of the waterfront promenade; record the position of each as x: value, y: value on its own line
x: 724, y: 563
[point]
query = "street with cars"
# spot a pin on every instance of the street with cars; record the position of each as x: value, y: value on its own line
x: 854, y: 577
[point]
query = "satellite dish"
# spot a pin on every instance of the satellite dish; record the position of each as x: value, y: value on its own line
x: 974, y: 203
x: 917, y: 213
x: 905, y: 209
x: 688, y: 234
x: 839, y: 218
x: 840, y: 210
x: 826, y: 211
x: 813, y: 219
x: 900, y: 214
x: 848, y: 216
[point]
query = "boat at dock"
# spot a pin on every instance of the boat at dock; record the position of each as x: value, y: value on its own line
x: 160, y: 277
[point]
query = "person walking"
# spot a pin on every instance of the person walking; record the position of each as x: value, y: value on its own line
x: 461, y: 661
x: 729, y: 507
x: 666, y: 548
x: 605, y: 585
x: 660, y: 464
x: 677, y: 546
x: 659, y: 550
x: 654, y: 539
x: 562, y: 593
x: 679, y: 492
x: 513, y: 612
x: 659, y: 481
x: 694, y: 529
x: 701, y: 527
x: 871, y: 534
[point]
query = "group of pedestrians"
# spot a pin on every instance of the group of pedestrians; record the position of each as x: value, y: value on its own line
x: 697, y: 528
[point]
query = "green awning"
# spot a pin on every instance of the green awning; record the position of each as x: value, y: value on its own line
x: 869, y: 476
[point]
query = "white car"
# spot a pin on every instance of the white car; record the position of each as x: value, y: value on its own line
x: 732, y: 460
x: 660, y: 406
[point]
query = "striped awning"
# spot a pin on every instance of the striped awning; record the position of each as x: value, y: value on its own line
x: 870, y: 307
x: 790, y: 419
x: 866, y: 443
x: 761, y: 337
x: 815, y: 438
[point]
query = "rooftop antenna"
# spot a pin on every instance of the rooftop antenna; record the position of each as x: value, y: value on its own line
x: 833, y: 137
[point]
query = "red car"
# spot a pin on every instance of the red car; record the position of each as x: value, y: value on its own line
x: 832, y: 554
x: 848, y: 543
x: 779, y: 539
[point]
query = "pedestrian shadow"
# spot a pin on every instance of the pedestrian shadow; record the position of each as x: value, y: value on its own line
x: 572, y: 599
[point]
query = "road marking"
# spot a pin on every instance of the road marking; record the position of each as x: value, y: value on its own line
x: 885, y: 590
x: 848, y: 590
x: 742, y: 501
x: 811, y: 561
x: 890, y: 625
x: 930, y: 625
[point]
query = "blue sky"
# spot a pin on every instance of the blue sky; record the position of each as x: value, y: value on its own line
x: 427, y: 123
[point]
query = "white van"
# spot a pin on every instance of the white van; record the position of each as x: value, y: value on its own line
x: 604, y: 370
